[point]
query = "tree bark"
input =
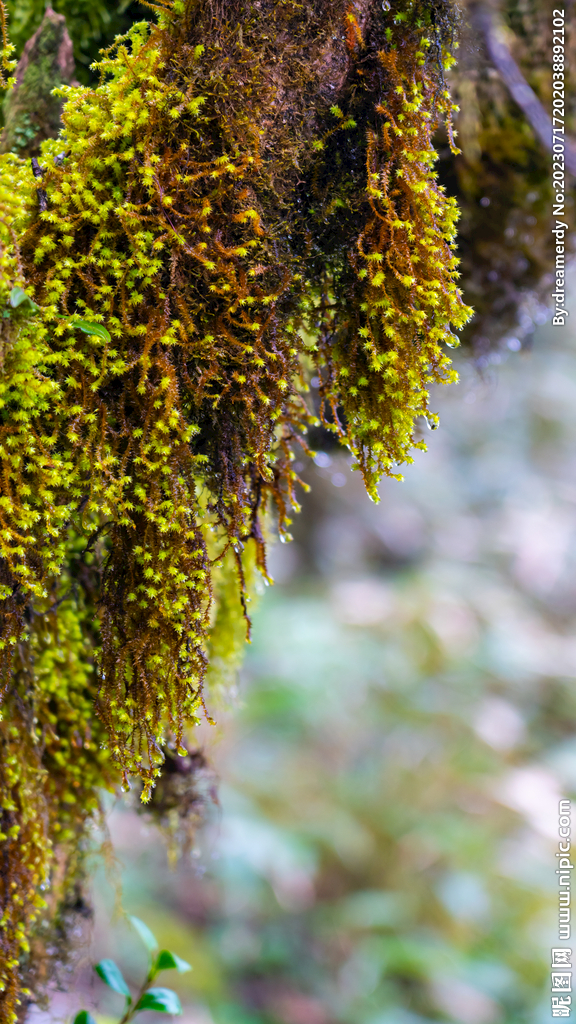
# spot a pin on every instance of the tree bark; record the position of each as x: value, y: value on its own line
x: 32, y: 113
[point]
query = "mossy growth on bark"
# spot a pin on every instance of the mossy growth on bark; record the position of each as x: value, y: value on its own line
x: 246, y: 200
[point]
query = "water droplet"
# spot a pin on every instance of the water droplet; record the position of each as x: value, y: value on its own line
x: 322, y: 459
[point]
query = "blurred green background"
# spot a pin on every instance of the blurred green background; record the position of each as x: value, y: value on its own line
x: 382, y: 849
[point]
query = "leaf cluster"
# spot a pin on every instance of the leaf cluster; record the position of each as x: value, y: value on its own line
x: 150, y: 997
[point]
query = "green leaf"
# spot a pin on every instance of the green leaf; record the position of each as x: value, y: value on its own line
x: 112, y: 976
x: 162, y: 999
x: 18, y: 296
x: 145, y: 934
x: 167, y: 960
x: 84, y: 1018
x: 89, y: 328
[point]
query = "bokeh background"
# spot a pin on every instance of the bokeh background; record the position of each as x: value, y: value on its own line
x: 389, y: 764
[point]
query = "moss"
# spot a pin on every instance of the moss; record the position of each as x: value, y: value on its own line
x: 53, y: 764
x: 247, y: 194
x: 199, y: 384
x: 230, y: 623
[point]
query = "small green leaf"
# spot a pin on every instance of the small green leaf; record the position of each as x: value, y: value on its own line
x: 112, y: 976
x: 89, y: 328
x: 162, y: 999
x: 145, y: 934
x: 84, y: 1018
x: 167, y: 960
x: 18, y: 296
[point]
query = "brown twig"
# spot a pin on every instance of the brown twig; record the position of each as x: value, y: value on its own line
x: 39, y: 172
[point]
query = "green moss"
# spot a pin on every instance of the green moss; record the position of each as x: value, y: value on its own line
x: 243, y: 196
x: 502, y: 181
x: 53, y: 765
x: 199, y: 384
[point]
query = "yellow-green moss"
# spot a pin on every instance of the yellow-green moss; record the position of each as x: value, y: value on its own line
x: 170, y: 223
x: 242, y: 195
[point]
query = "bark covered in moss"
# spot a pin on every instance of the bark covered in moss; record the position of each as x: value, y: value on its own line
x: 252, y: 249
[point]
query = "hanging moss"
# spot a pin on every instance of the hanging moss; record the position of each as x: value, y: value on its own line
x: 53, y: 762
x: 249, y: 196
x: 198, y: 385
